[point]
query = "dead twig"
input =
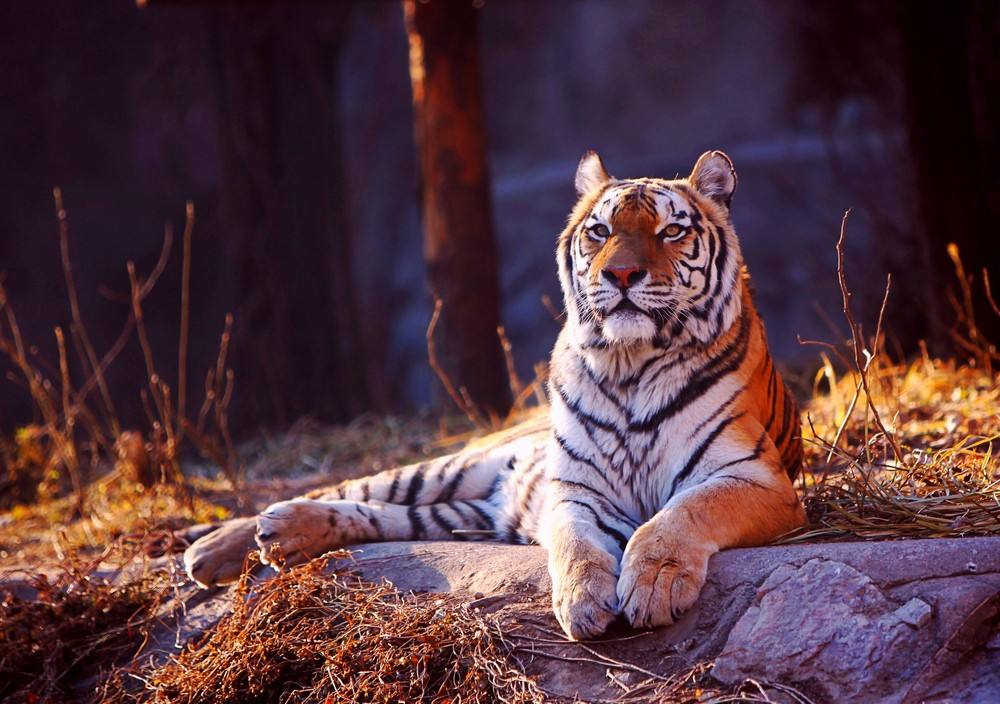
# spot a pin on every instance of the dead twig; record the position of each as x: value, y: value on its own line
x: 989, y: 292
x: 182, y: 342
x: 89, y: 356
x: 862, y: 357
x: 464, y: 403
x: 513, y: 379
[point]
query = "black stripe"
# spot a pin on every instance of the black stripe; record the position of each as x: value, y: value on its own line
x: 417, y: 527
x: 616, y: 535
x: 720, y: 260
x: 718, y: 410
x: 708, y: 266
x: 635, y: 378
x: 568, y: 260
x: 771, y: 380
x: 794, y: 463
x: 452, y: 486
x: 366, y: 490
x: 772, y: 393
x: 745, y: 480
x: 524, y: 500
x: 416, y: 484
x: 463, y: 521
x: 787, y: 424
x: 394, y: 487
x: 576, y: 457
x: 513, y: 529
x: 671, y: 363
x: 586, y: 419
x: 487, y: 518
x: 603, y: 499
x: 698, y: 453
x: 701, y: 381
x: 615, y: 401
x: 757, y: 452
x: 374, y: 523
x: 453, y: 507
x: 442, y: 522
x: 574, y: 406
x: 494, y: 484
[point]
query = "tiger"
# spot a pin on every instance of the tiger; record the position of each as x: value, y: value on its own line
x: 668, y: 434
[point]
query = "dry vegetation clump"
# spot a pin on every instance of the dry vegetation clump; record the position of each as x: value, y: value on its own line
x: 945, y: 421
x: 905, y: 450
x: 75, y: 478
x: 56, y: 630
x: 312, y: 635
x: 118, y: 512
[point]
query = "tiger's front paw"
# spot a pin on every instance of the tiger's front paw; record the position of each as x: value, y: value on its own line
x: 291, y: 532
x: 583, y: 594
x: 661, y: 576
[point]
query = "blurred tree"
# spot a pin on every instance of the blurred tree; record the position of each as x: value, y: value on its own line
x: 288, y: 236
x: 459, y: 246
x: 950, y: 58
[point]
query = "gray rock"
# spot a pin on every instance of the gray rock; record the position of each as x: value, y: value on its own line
x: 893, y: 623
x: 914, y: 612
x: 827, y: 624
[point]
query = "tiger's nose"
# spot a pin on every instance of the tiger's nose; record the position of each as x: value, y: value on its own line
x: 623, y: 276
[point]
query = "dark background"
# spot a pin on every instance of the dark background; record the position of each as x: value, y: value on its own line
x: 290, y: 127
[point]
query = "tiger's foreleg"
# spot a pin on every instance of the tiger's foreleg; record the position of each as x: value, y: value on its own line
x: 744, y: 504
x: 306, y: 528
x: 585, y: 535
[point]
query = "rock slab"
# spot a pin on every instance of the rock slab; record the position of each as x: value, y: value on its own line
x: 890, y: 623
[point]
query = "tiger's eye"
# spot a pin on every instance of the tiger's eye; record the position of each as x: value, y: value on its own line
x: 601, y: 230
x: 672, y: 231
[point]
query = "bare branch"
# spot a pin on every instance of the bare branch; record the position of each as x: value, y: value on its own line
x: 89, y: 356
x: 465, y: 406
x: 861, y: 364
x: 182, y: 344
x: 515, y: 381
x: 989, y: 292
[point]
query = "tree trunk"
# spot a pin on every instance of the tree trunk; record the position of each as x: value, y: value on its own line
x: 459, y: 247
x: 296, y: 346
x: 955, y: 167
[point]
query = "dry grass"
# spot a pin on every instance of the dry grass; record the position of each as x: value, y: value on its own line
x: 307, y: 456
x: 945, y: 419
x: 57, y: 630
x: 117, y: 512
x: 311, y: 635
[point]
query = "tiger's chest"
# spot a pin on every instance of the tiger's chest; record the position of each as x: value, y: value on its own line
x: 638, y: 431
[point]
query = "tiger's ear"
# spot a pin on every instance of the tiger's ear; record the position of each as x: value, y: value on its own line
x: 714, y: 176
x: 590, y: 174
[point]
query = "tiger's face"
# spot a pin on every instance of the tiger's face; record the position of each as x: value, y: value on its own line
x: 647, y: 260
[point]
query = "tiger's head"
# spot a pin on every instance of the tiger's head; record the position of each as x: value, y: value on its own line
x: 651, y: 261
